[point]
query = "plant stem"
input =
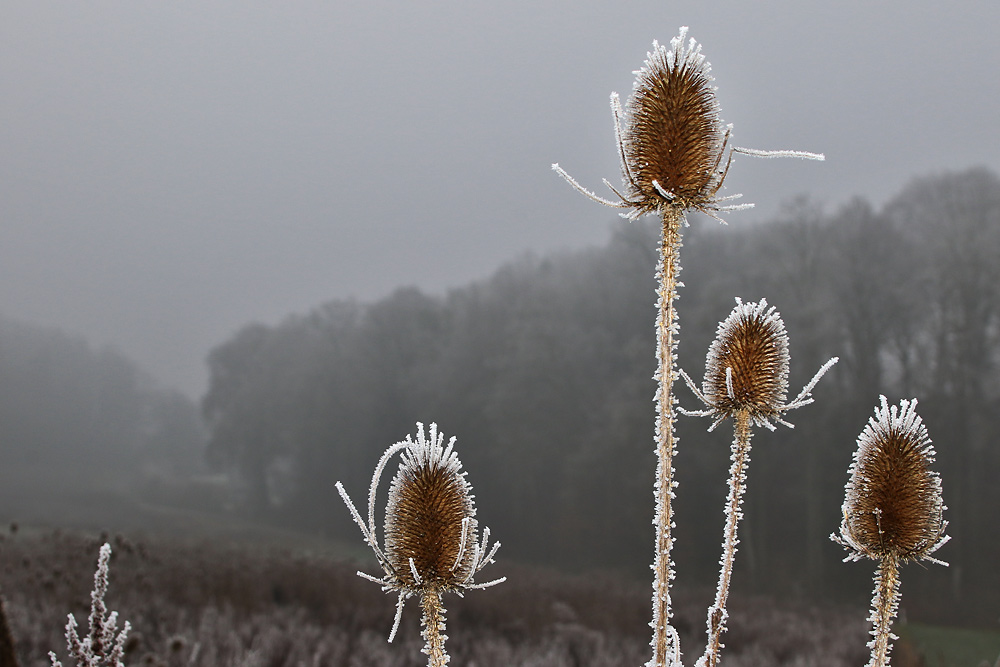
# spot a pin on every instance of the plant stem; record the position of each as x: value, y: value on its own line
x: 433, y: 633
x: 884, y: 603
x: 666, y: 345
x: 717, y: 613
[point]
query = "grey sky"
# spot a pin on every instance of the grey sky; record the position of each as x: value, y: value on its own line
x: 170, y: 171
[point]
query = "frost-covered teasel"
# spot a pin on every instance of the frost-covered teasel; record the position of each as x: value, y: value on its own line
x: 893, y: 508
x: 674, y: 156
x: 746, y: 379
x: 672, y: 143
x: 431, y: 533
x: 104, y: 645
x: 747, y: 369
x: 893, y: 505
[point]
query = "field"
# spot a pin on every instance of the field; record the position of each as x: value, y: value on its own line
x: 952, y: 647
x: 254, y: 602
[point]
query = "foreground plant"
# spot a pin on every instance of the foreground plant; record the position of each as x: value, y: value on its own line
x: 893, y: 509
x: 675, y: 155
x: 431, y: 540
x: 746, y: 380
x: 103, y: 646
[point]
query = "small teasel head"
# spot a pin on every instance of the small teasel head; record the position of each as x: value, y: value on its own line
x: 672, y: 142
x: 430, y: 519
x: 431, y: 534
x: 893, y: 506
x: 747, y: 368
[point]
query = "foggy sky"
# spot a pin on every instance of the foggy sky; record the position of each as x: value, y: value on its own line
x: 172, y: 171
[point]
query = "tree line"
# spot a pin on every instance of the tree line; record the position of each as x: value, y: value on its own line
x: 79, y: 421
x: 543, y: 372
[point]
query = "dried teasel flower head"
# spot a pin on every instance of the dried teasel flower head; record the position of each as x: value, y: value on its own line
x: 893, y: 506
x: 747, y: 368
x: 672, y: 141
x: 431, y: 534
x: 430, y: 518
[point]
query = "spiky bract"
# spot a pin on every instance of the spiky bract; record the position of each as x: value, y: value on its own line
x: 747, y: 363
x: 430, y: 507
x: 893, y: 506
x: 673, y: 139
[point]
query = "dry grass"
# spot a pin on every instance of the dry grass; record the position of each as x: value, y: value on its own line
x: 213, y: 604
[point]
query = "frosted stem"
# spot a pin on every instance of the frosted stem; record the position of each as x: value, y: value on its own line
x: 884, y: 604
x: 717, y: 613
x: 433, y: 633
x: 666, y: 344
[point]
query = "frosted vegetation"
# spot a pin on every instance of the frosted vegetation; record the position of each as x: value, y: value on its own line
x: 205, y: 605
x: 543, y: 371
x: 675, y: 155
x: 859, y: 304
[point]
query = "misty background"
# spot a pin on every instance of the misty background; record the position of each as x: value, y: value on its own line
x: 171, y: 172
x: 244, y: 247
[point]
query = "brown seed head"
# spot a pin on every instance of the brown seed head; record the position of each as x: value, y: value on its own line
x: 893, y: 505
x: 673, y: 134
x: 747, y: 364
x: 430, y: 505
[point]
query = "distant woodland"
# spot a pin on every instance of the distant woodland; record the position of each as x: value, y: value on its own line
x: 543, y: 373
x: 79, y: 425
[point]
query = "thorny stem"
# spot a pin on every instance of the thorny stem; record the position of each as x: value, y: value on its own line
x: 717, y: 613
x: 666, y: 344
x: 883, y: 610
x: 433, y: 633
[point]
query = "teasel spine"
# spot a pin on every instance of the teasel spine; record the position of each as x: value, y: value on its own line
x: 664, y: 641
x: 717, y: 614
x: 433, y: 629
x: 885, y: 601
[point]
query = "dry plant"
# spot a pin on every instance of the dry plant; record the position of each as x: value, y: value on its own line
x: 431, y: 540
x: 675, y: 155
x: 104, y: 645
x: 746, y: 380
x: 893, y: 509
x: 8, y: 656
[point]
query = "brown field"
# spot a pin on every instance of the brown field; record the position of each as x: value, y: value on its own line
x: 252, y: 602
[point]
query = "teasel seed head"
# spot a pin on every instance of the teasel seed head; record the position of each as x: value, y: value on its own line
x: 893, y: 506
x: 747, y: 368
x: 429, y: 519
x: 672, y: 143
x: 747, y: 363
x: 431, y: 534
x: 673, y: 139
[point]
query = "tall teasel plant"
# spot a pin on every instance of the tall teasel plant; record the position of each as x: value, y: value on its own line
x: 675, y: 155
x: 431, y: 533
x: 746, y: 380
x: 893, y: 509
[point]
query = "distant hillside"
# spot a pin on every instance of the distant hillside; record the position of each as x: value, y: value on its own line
x: 77, y: 423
